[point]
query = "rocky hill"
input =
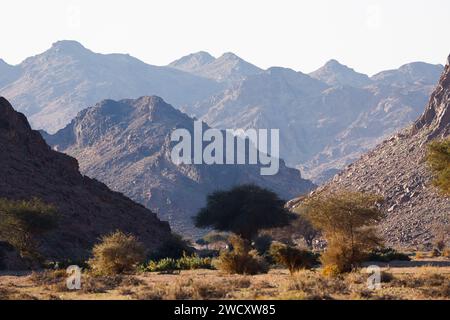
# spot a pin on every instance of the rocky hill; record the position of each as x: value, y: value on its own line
x: 227, y: 68
x: 87, y: 208
x: 325, y: 121
x: 396, y: 169
x: 52, y: 87
x: 126, y: 144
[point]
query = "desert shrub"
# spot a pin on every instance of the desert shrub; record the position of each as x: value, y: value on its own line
x: 421, y: 255
x: 347, y: 221
x: 438, y: 158
x: 242, y: 259
x: 23, y: 222
x: 170, y: 265
x: 193, y: 262
x: 116, y: 253
x: 292, y: 258
x: 387, y: 255
x: 173, y: 248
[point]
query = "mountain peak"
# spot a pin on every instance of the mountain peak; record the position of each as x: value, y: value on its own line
x: 436, y: 116
x: 192, y: 61
x: 335, y: 73
x: 68, y: 46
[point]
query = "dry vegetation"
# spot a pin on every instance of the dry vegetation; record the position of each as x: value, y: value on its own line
x: 410, y: 280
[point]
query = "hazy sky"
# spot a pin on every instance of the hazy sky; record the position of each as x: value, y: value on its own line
x: 367, y: 35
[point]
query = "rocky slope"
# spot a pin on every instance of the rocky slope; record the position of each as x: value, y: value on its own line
x: 52, y: 87
x: 87, y: 208
x: 126, y: 144
x: 227, y: 68
x: 323, y: 126
x: 396, y: 168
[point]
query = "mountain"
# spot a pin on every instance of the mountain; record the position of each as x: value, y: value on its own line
x: 227, y: 68
x: 323, y: 127
x: 327, y: 119
x: 126, y: 144
x: 8, y: 73
x: 54, y: 86
x: 335, y: 74
x: 415, y: 73
x: 397, y: 169
x: 87, y: 208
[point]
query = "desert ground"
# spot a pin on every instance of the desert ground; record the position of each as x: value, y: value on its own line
x: 418, y: 279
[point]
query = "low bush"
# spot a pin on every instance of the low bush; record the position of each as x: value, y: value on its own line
x: 387, y: 255
x: 242, y: 259
x: 116, y: 253
x: 169, y: 265
x: 173, y: 248
x: 292, y: 258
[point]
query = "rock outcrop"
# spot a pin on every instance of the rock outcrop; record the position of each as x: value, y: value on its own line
x: 87, y: 208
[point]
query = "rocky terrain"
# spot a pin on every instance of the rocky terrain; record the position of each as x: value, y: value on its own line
x: 227, y: 68
x: 52, y: 87
x: 396, y: 169
x: 327, y: 118
x: 126, y: 144
x: 87, y: 208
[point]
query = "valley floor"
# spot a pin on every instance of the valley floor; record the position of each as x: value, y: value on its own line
x: 422, y: 279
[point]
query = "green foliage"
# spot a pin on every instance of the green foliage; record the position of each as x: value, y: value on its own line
x: 242, y: 259
x: 293, y: 258
x: 22, y: 222
x: 347, y: 221
x: 438, y: 158
x: 387, y: 255
x: 169, y: 265
x: 243, y: 210
x: 116, y: 253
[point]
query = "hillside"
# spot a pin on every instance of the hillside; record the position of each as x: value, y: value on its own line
x: 87, y: 208
x: 397, y: 169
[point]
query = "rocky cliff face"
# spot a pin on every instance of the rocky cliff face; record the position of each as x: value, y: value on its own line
x: 126, y: 144
x: 88, y: 209
x: 396, y: 169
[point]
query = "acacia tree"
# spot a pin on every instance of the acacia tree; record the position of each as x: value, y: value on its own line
x: 243, y: 210
x: 347, y: 221
x: 22, y: 222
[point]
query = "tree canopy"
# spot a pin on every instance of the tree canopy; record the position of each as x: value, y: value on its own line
x: 438, y: 158
x: 243, y: 210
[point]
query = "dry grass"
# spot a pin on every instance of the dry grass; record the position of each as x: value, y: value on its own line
x: 403, y: 282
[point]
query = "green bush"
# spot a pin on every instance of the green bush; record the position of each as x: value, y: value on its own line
x: 387, y: 255
x: 293, y: 258
x: 169, y: 265
x: 241, y: 260
x: 116, y: 253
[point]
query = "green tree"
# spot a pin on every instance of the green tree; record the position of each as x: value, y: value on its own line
x: 347, y: 221
x: 22, y: 222
x: 438, y: 158
x: 243, y: 210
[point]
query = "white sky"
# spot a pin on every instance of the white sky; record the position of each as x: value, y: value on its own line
x: 367, y: 35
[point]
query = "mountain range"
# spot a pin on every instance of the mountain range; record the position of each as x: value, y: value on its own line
x: 127, y: 145
x: 327, y: 118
